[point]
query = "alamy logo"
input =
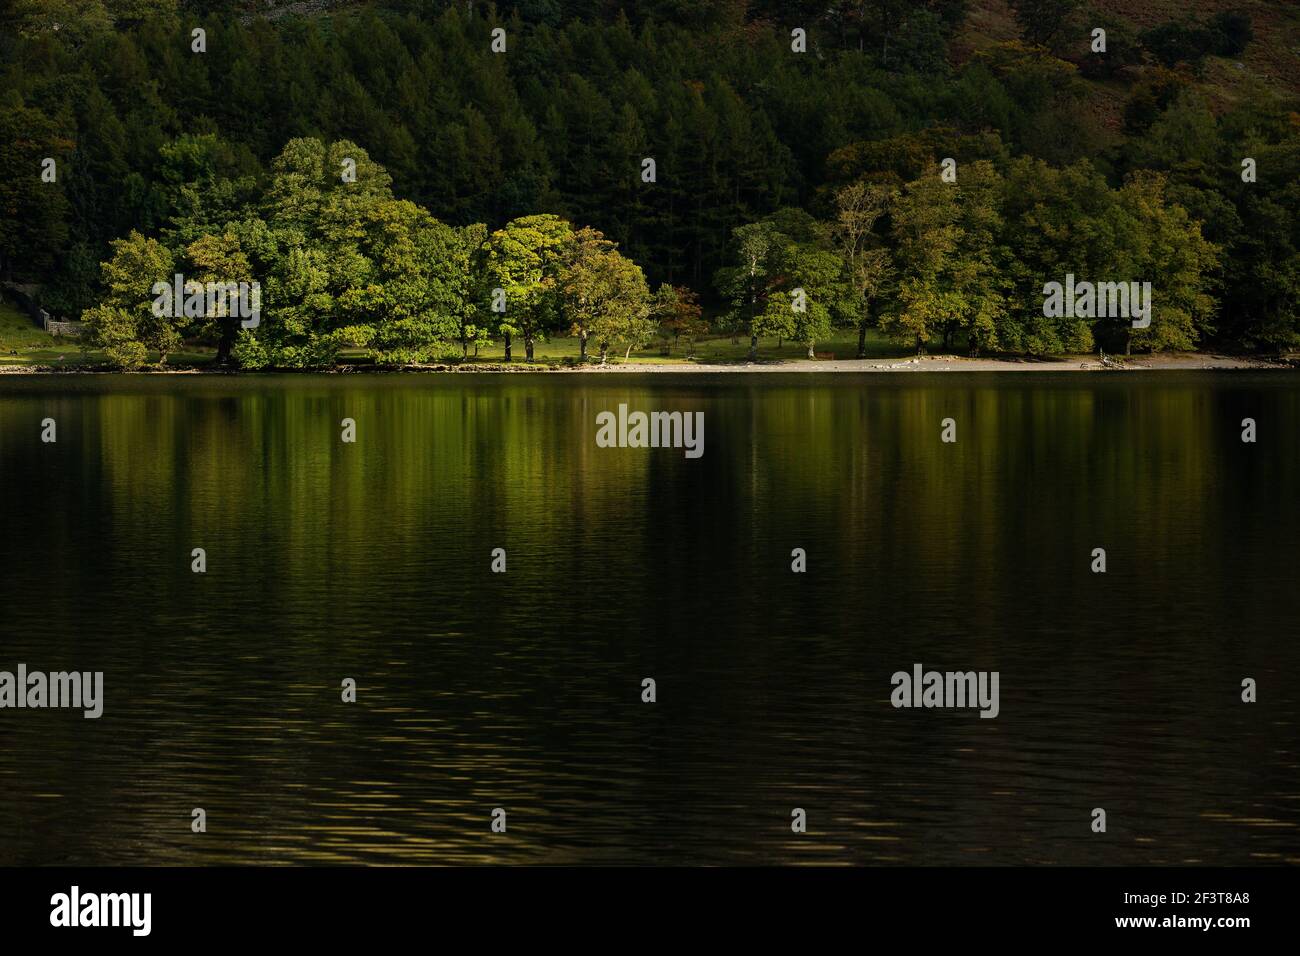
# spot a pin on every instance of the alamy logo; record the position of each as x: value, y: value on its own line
x: 57, y: 689
x: 950, y: 689
x: 195, y: 300
x: 1101, y: 300
x: 102, y: 909
x: 651, y: 430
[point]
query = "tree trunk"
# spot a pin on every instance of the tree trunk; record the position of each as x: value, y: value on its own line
x: 811, y: 353
x: 753, y: 348
x: 528, y: 347
x: 862, y: 340
x: 582, y: 346
x: 226, y: 343
x: 507, y: 346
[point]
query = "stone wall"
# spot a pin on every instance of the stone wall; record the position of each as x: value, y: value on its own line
x: 27, y: 298
x: 55, y: 327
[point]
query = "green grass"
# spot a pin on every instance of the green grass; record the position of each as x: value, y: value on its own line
x: 19, y: 334
x: 711, y: 350
x: 22, y: 343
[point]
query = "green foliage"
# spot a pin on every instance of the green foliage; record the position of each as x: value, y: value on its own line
x: 1057, y: 221
x: 73, y: 21
x: 219, y: 259
x: 1123, y: 49
x: 867, y: 262
x: 1162, y: 241
x: 1227, y: 33
x: 1232, y: 31
x: 524, y: 260
x: 1049, y: 22
x: 605, y: 295
x: 678, y: 311
x: 234, y: 164
x: 125, y: 324
x: 746, y: 285
x: 1178, y: 42
x: 34, y: 212
x: 787, y: 280
x: 1151, y: 96
x: 949, y: 259
x: 75, y: 287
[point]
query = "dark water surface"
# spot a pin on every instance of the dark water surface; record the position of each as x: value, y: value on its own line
x: 522, y: 690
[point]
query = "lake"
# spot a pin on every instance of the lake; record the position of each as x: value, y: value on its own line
x: 476, y: 690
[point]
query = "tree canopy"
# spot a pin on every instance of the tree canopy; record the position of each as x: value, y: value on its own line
x: 395, y: 186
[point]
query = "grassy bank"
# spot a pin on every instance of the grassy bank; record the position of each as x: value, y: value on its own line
x: 22, y: 344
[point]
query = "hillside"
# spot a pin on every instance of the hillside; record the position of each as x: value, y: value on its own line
x: 915, y: 169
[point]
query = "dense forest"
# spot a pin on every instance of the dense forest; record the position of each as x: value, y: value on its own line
x: 413, y: 177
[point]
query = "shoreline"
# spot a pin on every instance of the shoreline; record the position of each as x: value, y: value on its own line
x: 927, y: 363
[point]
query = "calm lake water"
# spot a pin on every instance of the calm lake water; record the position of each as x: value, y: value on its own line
x: 522, y: 690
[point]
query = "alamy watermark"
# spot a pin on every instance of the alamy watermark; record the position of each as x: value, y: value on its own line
x: 946, y: 689
x: 194, y: 300
x: 58, y: 689
x: 1100, y: 300
x: 77, y: 909
x: 651, y: 430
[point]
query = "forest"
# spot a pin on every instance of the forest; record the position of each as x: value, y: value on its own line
x: 414, y: 178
